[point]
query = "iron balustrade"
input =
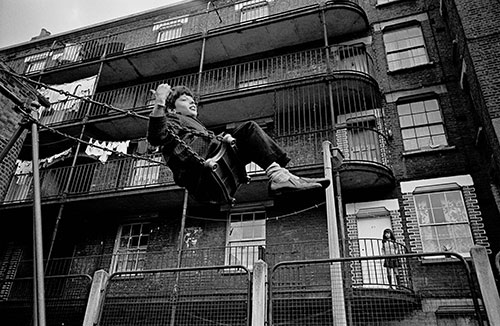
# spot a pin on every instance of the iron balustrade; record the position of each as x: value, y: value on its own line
x: 115, y: 175
x: 257, y: 73
x: 246, y: 255
x: 65, y: 300
x: 91, y: 47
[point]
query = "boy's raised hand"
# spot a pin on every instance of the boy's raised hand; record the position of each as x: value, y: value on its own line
x: 161, y: 93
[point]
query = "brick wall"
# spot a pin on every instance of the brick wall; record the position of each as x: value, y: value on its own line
x: 473, y: 211
x: 9, y: 122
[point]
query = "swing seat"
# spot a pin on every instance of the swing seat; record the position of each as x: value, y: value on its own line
x: 222, y: 175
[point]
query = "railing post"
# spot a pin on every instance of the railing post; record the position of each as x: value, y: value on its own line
x: 96, y: 298
x: 259, y: 294
x: 491, y: 299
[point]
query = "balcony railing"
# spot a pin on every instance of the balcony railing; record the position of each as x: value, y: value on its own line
x: 252, y: 74
x: 115, y: 175
x: 91, y: 48
x: 133, y: 260
x: 361, y: 145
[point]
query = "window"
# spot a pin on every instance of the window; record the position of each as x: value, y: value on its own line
x: 421, y: 125
x: 253, y: 9
x: 130, y: 247
x: 246, y: 233
x: 169, y: 29
x: 405, y: 48
x: 443, y: 222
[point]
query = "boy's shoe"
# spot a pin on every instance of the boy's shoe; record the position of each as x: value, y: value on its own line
x: 293, y: 184
x: 324, y: 182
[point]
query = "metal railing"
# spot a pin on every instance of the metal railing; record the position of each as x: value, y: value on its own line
x: 115, y: 175
x: 137, y: 260
x: 214, y: 295
x: 257, y: 73
x: 91, y: 47
x: 322, y: 292
x: 65, y: 300
x: 362, y: 144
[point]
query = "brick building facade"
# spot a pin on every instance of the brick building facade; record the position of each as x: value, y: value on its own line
x: 405, y: 89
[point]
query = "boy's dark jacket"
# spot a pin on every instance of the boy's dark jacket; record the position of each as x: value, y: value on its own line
x: 185, y: 167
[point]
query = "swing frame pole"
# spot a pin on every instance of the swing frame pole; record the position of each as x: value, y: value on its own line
x: 38, y: 278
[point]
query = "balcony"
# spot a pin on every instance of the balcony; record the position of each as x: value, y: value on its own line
x: 149, y: 182
x: 257, y: 88
x: 231, y: 31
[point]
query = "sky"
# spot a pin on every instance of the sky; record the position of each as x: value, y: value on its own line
x: 20, y: 20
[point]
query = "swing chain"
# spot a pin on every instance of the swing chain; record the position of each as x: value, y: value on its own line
x: 207, y: 135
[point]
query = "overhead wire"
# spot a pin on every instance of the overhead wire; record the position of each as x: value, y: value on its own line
x: 121, y: 154
x: 65, y: 135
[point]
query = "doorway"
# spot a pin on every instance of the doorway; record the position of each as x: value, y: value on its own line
x: 370, y: 229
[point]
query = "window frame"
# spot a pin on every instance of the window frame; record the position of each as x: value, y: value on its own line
x: 396, y: 51
x: 415, y: 126
x: 121, y: 255
x: 446, y: 190
x: 244, y: 246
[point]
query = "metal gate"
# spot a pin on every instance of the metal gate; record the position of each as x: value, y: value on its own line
x: 426, y: 289
x: 216, y: 295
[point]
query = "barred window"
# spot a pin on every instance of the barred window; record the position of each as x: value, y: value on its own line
x: 130, y: 247
x: 443, y: 222
x: 246, y: 233
x: 421, y: 125
x: 405, y: 48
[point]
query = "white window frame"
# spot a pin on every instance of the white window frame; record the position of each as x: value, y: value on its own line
x: 130, y: 247
x: 253, y: 9
x: 454, y: 214
x: 421, y: 123
x: 405, y: 47
x: 241, y: 248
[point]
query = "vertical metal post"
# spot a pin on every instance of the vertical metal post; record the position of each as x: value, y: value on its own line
x: 39, y: 295
x: 66, y: 190
x: 179, y: 258
x: 337, y: 287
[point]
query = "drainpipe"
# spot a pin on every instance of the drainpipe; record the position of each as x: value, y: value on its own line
x: 337, y: 287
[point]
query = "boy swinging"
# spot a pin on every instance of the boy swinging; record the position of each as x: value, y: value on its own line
x: 174, y: 126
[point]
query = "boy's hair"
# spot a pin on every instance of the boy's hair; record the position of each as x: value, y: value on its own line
x: 176, y: 92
